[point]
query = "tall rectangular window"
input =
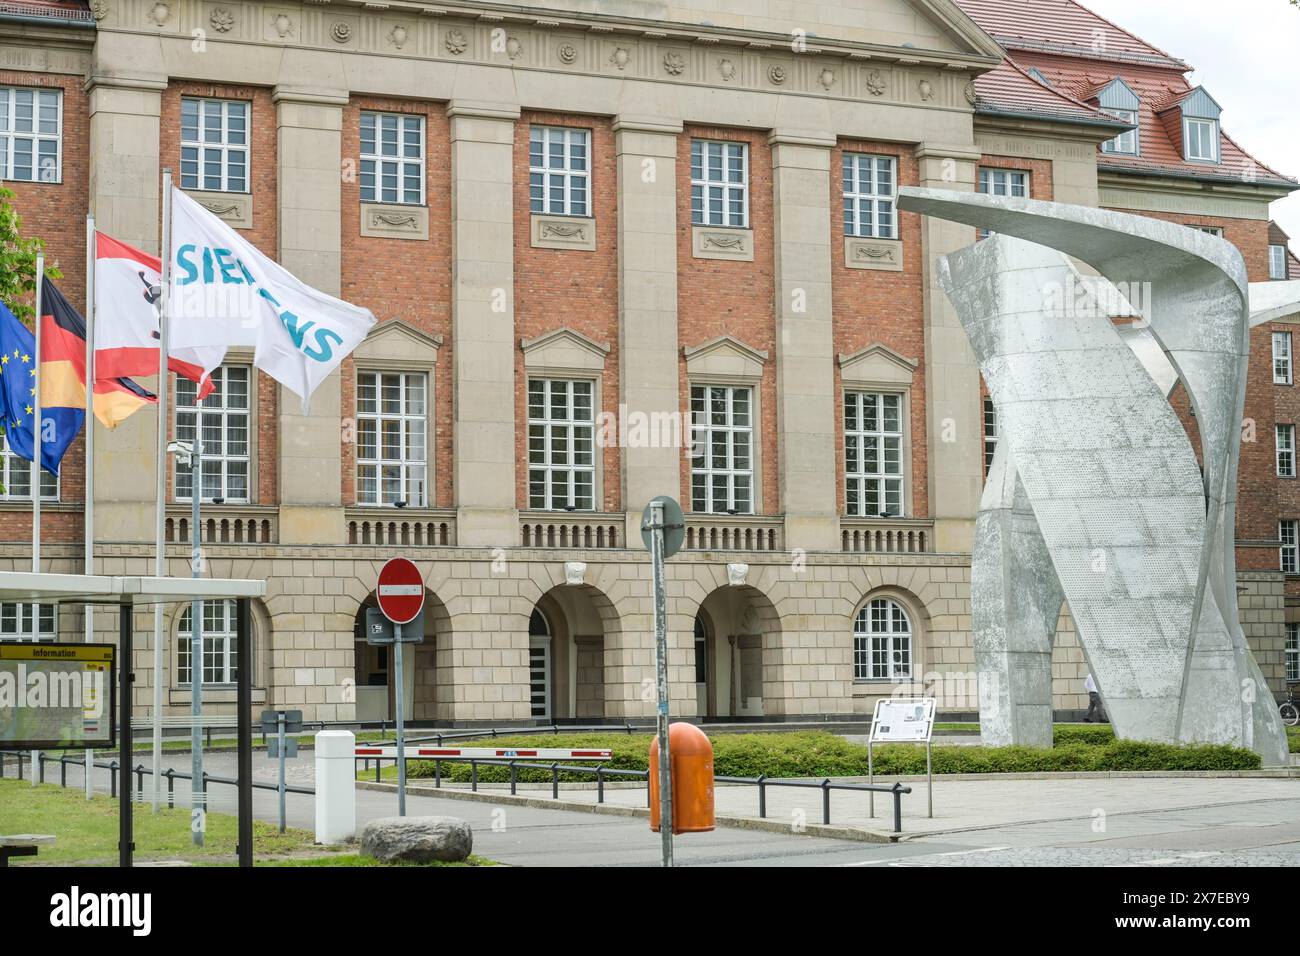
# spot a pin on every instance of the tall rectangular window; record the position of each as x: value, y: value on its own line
x: 28, y: 622
x: 990, y: 434
x: 719, y: 183
x: 559, y: 170
x: 1293, y: 652
x: 214, y: 145
x: 1285, y: 451
x: 1281, y: 358
x: 561, y: 444
x: 31, y: 134
x: 224, y: 448
x: 1277, y: 262
x: 1201, y: 140
x: 1290, y: 559
x: 873, y: 454
x: 219, y: 635
x: 392, y: 424
x: 392, y: 158
x: 869, y: 187
x: 722, y: 453
x: 16, y: 476
x: 1126, y: 142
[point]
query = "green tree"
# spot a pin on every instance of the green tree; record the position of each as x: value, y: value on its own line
x: 18, y: 261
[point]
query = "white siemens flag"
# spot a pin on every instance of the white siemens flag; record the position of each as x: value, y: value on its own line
x: 225, y: 293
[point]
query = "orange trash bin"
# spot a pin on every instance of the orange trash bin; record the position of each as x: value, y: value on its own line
x: 690, y: 770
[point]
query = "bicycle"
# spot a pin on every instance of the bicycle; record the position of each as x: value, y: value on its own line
x: 1290, y: 708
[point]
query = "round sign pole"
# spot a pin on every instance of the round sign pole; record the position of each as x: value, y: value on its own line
x: 661, y: 678
x: 401, y: 597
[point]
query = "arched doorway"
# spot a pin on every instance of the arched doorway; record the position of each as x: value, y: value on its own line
x: 375, y: 673
x: 566, y: 654
x: 737, y: 633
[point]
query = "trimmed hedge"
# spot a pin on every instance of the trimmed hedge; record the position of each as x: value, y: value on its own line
x: 821, y: 754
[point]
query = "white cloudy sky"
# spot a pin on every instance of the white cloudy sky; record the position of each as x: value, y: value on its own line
x: 1247, y: 55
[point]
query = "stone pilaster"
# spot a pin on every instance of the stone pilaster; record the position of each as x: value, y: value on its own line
x: 125, y: 178
x: 483, y: 326
x: 309, y: 129
x: 647, y: 308
x: 805, y: 351
x: 954, y: 414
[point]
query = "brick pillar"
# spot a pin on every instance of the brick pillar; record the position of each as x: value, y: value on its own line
x: 954, y: 413
x: 805, y: 352
x: 483, y: 326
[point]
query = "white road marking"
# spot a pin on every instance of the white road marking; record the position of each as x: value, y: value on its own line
x: 900, y: 862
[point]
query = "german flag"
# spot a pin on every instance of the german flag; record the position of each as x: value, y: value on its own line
x: 63, y: 366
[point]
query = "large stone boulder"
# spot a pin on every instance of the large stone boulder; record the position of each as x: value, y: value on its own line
x: 417, y: 839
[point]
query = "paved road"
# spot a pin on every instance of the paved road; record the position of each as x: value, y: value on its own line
x: 1147, y: 822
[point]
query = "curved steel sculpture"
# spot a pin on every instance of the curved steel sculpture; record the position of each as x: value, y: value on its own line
x: 1095, y: 495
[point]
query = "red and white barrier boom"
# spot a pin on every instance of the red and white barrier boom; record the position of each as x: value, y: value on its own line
x: 485, y: 753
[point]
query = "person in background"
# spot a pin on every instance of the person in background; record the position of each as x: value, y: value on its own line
x: 1095, y: 713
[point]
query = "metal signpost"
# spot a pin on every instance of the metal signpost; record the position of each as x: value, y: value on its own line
x: 281, y: 722
x: 401, y: 598
x: 663, y: 529
x: 902, y: 720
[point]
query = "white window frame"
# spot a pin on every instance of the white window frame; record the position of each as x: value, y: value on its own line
x: 705, y: 469
x: 1210, y: 230
x: 554, y: 440
x: 996, y: 181
x: 224, y: 464
x: 223, y: 147
x: 10, y: 135
x: 1209, y: 137
x: 1126, y: 143
x: 706, y: 187
x: 870, y: 211
x: 1284, y: 442
x: 1282, y: 358
x: 571, y: 177
x: 1276, y: 261
x: 882, y: 650
x: 220, y: 637
x: 410, y: 467
x: 379, y: 163
x: 888, y: 482
x: 29, y: 623
x: 1291, y: 652
x: 1289, y: 552
x: 539, y: 642
x: 11, y: 467
x: 990, y: 434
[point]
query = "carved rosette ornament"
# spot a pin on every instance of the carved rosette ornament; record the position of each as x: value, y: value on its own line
x: 455, y: 42
x: 969, y: 92
x: 674, y: 64
x: 875, y: 83
x: 567, y: 52
x: 777, y: 74
x: 222, y: 20
x: 341, y: 32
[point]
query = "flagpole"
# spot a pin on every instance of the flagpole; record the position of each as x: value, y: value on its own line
x: 161, y: 486
x: 37, y: 448
x: 88, y: 565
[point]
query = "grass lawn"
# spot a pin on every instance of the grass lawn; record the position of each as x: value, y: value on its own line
x: 87, y: 833
x: 1293, y: 737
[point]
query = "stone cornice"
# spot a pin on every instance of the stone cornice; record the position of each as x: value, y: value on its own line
x: 150, y: 84
x: 314, y: 96
x: 482, y: 110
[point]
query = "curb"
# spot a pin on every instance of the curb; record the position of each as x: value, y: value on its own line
x: 832, y: 832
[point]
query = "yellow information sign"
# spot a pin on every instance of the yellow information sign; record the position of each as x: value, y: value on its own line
x: 56, y: 696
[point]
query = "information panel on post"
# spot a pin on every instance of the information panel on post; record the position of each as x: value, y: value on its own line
x: 903, y: 720
x: 56, y: 696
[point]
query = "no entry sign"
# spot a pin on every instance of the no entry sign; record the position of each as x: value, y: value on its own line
x: 401, y: 591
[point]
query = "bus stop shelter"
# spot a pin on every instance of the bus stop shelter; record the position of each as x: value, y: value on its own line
x: 127, y: 593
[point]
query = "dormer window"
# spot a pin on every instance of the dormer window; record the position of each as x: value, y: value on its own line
x: 1118, y: 99
x: 1277, y: 262
x: 1037, y: 74
x: 1200, y: 140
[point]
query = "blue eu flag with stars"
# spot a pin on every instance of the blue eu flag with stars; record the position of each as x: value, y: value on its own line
x: 18, y: 360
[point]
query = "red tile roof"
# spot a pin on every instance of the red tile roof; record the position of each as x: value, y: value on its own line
x: 75, y: 10
x: 1056, y: 37
x: 1009, y: 89
x: 1063, y: 27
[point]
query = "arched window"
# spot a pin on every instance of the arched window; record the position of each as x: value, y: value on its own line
x: 882, y: 642
x: 219, y: 635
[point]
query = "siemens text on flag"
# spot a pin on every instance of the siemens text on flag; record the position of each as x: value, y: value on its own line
x: 224, y: 293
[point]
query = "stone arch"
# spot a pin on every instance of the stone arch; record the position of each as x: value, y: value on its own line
x: 745, y: 674
x: 568, y: 664
x: 424, y: 686
x: 221, y: 694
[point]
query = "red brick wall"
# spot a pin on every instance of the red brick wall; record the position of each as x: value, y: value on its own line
x: 56, y: 213
x: 559, y: 288
x: 872, y: 307
x: 263, y: 174
x: 404, y: 279
x: 721, y: 297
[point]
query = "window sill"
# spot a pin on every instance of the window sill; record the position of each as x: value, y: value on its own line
x: 215, y: 694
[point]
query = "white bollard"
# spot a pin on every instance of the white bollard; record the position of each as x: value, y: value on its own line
x: 336, y: 786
